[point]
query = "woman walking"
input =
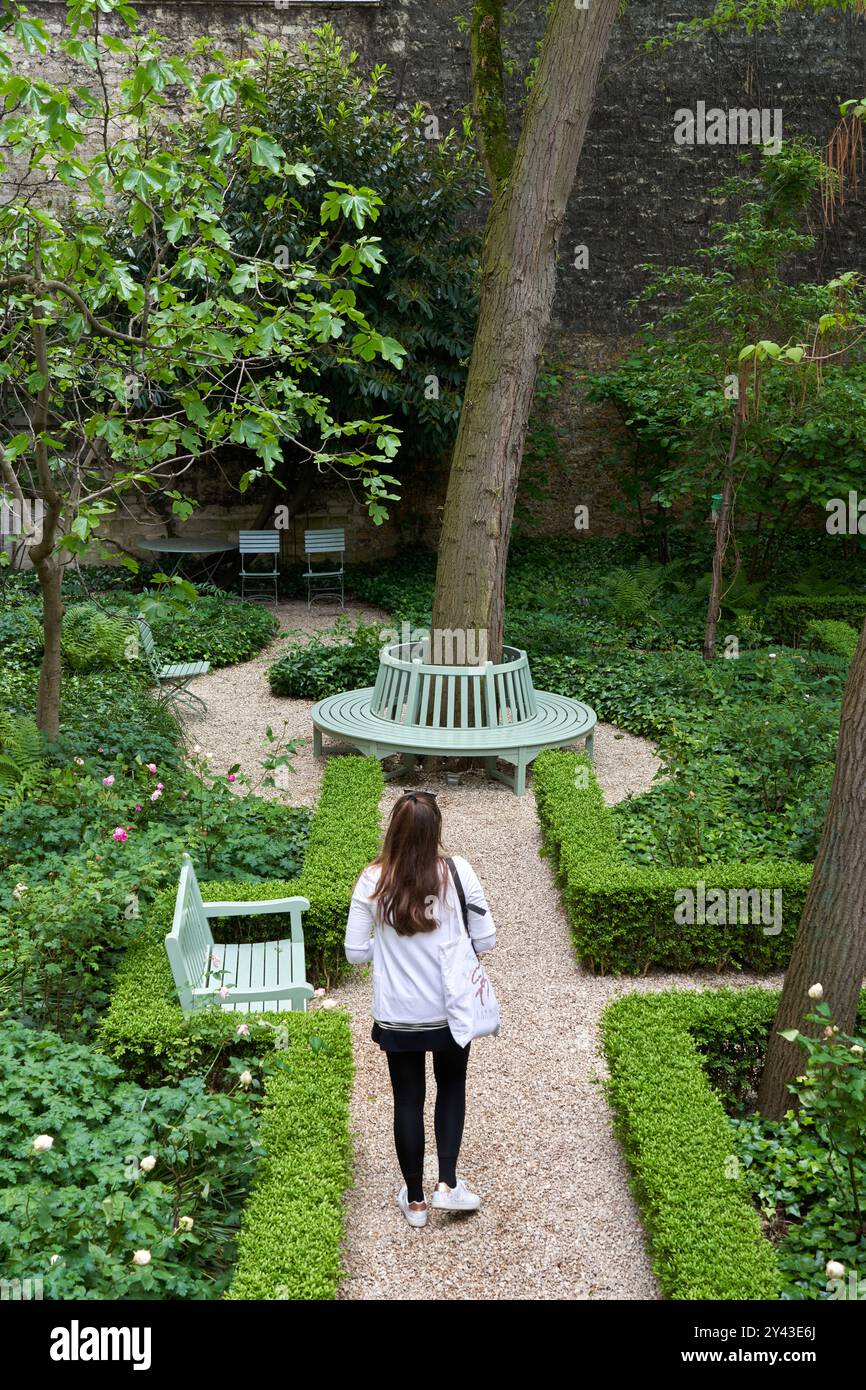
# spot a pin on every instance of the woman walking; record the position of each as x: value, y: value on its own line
x: 405, y: 905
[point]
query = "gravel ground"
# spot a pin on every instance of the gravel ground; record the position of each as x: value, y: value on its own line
x: 241, y: 707
x: 557, y: 1220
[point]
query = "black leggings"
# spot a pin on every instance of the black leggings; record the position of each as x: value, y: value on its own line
x: 409, y: 1081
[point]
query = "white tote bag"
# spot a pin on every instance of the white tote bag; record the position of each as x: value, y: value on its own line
x: 470, y: 1003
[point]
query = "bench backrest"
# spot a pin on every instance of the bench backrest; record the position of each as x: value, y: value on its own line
x: 148, y: 645
x: 413, y: 692
x: 259, y: 542
x: 325, y: 542
x: 189, y: 943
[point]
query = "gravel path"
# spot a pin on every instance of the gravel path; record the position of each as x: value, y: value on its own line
x: 557, y: 1220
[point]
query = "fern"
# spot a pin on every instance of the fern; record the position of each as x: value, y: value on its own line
x: 92, y: 639
x: 631, y: 594
x: 23, y: 768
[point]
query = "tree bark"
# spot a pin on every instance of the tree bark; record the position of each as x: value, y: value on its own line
x: 43, y: 554
x: 50, y: 575
x: 518, y: 267
x: 830, y: 948
x: 723, y: 533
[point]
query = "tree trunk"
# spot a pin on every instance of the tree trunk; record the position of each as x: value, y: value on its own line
x: 50, y: 575
x: 830, y: 948
x: 723, y: 533
x: 43, y: 554
x: 518, y: 268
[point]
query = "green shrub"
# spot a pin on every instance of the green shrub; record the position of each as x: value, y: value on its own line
x: 789, y: 615
x: 21, y: 635
x: 705, y: 1237
x: 215, y: 630
x: 60, y: 939
x: 830, y: 635
x: 289, y: 1245
x: 87, y: 1199
x: 352, y: 125
x: 321, y: 667
x: 145, y: 1028
x: 622, y: 915
x: 791, y: 1175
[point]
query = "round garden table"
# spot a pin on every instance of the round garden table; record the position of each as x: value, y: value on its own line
x: 196, y: 553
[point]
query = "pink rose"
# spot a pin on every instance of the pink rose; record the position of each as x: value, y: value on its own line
x: 232, y: 777
x: 154, y: 796
x: 151, y: 767
x: 108, y: 781
x: 120, y: 835
x: 138, y: 808
x: 160, y: 786
x: 224, y: 992
x: 243, y: 1030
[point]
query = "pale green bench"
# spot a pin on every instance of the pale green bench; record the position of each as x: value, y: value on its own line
x: 173, y: 676
x: 420, y: 709
x: 259, y: 976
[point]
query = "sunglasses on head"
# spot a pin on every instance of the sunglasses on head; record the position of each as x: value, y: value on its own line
x: 415, y: 792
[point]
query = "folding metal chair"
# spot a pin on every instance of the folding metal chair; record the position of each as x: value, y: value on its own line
x: 259, y: 543
x: 325, y: 543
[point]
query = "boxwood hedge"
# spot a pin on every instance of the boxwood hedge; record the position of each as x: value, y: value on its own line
x: 145, y: 1028
x: 622, y: 914
x: 704, y: 1234
x: 292, y: 1225
x: 789, y: 615
x: 673, y: 1058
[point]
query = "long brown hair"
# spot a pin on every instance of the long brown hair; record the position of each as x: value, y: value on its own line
x: 412, y: 867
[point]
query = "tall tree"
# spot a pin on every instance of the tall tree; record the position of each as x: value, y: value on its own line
x: 830, y: 948
x: 135, y: 338
x: 530, y: 187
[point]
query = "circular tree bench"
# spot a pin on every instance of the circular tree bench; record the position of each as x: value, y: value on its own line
x: 487, y: 711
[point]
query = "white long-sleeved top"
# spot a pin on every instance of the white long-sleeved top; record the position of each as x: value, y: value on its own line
x: 407, y: 979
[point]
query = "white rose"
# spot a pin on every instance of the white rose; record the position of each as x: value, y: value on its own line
x: 141, y: 1257
x: 816, y: 992
x: 246, y: 1079
x: 857, y: 1050
x: 185, y: 1223
x: 329, y: 1004
x: 835, y: 1270
x: 148, y: 1164
x: 54, y: 1259
x: 18, y: 891
x: 42, y: 1143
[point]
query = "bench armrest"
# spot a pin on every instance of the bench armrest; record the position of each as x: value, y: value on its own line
x: 255, y: 909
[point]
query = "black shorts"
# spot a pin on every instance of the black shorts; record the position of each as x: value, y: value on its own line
x: 425, y: 1040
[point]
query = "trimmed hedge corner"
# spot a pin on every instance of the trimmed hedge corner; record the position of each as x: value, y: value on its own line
x: 292, y: 1226
x: 145, y: 1028
x: 622, y: 914
x: 789, y: 615
x: 705, y: 1237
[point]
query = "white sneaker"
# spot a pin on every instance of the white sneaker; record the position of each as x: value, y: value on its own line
x: 415, y: 1218
x: 458, y: 1198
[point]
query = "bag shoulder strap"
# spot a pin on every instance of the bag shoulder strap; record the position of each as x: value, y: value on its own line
x: 461, y: 895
